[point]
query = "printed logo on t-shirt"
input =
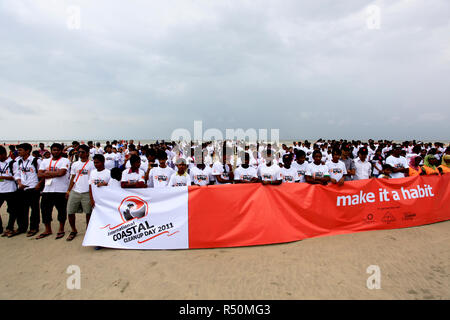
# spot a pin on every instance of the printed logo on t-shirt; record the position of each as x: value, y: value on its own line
x: 246, y: 177
x: 267, y: 176
x: 201, y: 177
x: 318, y: 175
x: 161, y: 178
x: 288, y: 178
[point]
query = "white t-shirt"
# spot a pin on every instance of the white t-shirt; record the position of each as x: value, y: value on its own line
x: 317, y: 171
x: 7, y: 186
x: 217, y: 170
x: 133, y: 177
x: 159, y: 177
x: 81, y: 171
x: 180, y: 181
x: 399, y: 162
x: 362, y: 169
x: 289, y: 175
x: 58, y: 184
x: 245, y: 174
x: 272, y: 173
x: 110, y: 160
x: 97, y: 177
x: 27, y: 172
x: 113, y: 183
x: 336, y: 170
x: 201, y: 177
x: 301, y: 170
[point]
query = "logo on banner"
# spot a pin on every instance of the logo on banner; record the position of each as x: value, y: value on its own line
x: 388, y: 218
x: 133, y: 207
x: 369, y: 218
x: 409, y: 216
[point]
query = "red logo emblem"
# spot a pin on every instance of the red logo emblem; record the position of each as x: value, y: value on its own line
x: 133, y: 207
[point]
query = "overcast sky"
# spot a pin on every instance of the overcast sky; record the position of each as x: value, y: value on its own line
x: 140, y: 69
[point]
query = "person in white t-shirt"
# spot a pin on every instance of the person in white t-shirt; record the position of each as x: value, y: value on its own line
x: 288, y: 172
x: 300, y: 164
x: 398, y: 163
x: 111, y: 158
x: 201, y: 175
x: 116, y: 177
x: 269, y: 172
x: 8, y: 189
x: 78, y: 191
x: 245, y: 173
x: 336, y: 168
x: 99, y: 177
x: 134, y: 177
x: 223, y: 171
x: 159, y: 177
x: 55, y: 171
x: 28, y: 191
x: 363, y: 168
x: 180, y: 178
x: 317, y: 173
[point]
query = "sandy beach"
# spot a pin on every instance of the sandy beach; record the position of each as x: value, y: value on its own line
x: 414, y: 264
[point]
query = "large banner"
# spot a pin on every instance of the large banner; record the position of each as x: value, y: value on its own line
x: 139, y: 218
x: 253, y: 214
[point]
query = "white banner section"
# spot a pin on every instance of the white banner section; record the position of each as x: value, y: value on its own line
x: 139, y: 218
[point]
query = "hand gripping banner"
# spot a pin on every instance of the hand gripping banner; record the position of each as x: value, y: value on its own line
x: 253, y: 214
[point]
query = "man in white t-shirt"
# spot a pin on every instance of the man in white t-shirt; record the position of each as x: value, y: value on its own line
x: 8, y: 190
x: 111, y: 158
x: 159, y: 177
x: 336, y: 168
x: 223, y: 171
x: 201, y: 175
x: 99, y: 177
x: 317, y: 173
x: 300, y: 164
x: 28, y: 191
x: 398, y: 163
x: 78, y: 192
x: 363, y: 168
x: 245, y: 173
x: 134, y: 177
x: 288, y: 172
x: 55, y: 171
x: 180, y: 178
x: 269, y: 172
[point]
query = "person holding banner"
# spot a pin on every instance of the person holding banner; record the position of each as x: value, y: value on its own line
x: 445, y: 164
x: 134, y: 177
x: 78, y: 192
x: 99, y: 177
x: 158, y: 177
x: 288, y: 172
x: 245, y: 173
x: 269, y: 172
x: 429, y: 165
x: 181, y: 178
x: 363, y: 168
x: 317, y: 173
x: 336, y: 168
x: 414, y: 166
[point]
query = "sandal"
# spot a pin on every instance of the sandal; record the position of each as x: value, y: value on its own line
x: 6, y: 233
x: 71, y: 236
x: 14, y: 233
x: 59, y: 235
x: 32, y: 233
x: 43, y: 235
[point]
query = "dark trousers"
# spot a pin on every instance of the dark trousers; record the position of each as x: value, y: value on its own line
x: 26, y: 200
x: 11, y: 201
x: 52, y: 200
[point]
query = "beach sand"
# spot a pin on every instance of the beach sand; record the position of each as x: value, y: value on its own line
x: 414, y: 264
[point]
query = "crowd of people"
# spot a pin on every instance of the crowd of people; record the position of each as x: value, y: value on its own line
x: 63, y: 177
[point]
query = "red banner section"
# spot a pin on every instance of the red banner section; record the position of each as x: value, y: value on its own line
x: 253, y: 214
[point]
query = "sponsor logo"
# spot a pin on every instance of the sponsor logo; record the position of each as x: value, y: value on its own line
x: 369, y: 218
x: 133, y: 207
x: 409, y: 216
x: 388, y: 218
